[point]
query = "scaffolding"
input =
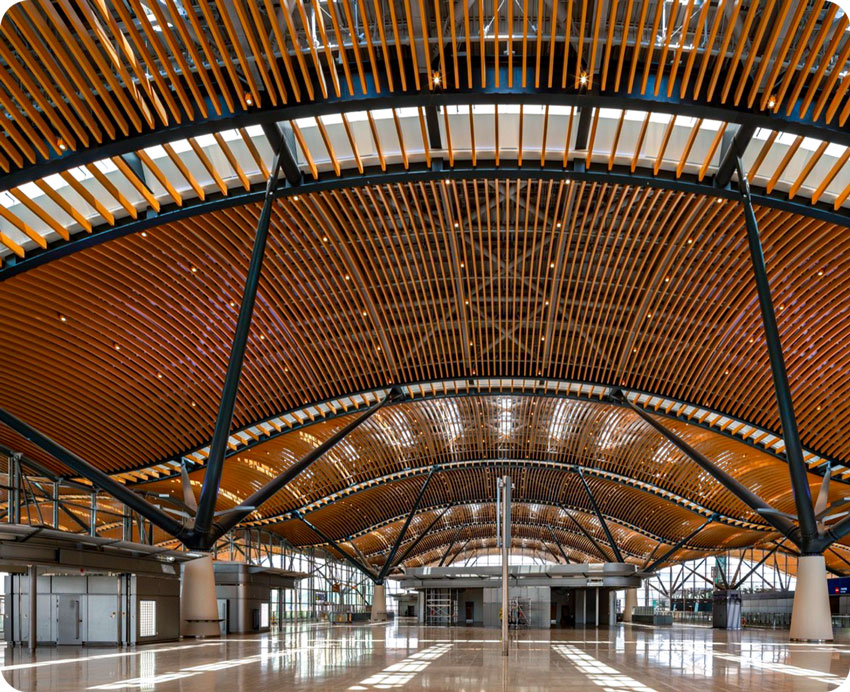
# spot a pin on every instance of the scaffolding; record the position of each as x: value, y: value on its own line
x: 518, y: 613
x: 441, y: 607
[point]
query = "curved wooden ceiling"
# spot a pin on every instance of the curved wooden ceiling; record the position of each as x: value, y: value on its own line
x: 118, y: 350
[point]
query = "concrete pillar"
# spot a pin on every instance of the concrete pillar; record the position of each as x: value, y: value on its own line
x: 379, y: 603
x: 631, y: 602
x: 198, y: 605
x: 811, y: 619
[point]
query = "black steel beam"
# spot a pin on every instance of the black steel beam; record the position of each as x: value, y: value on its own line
x: 722, y: 575
x: 364, y: 560
x: 840, y: 556
x: 331, y: 542
x: 459, y: 552
x: 585, y: 116
x: 587, y: 535
x: 449, y: 549
x: 91, y: 473
x: 389, y: 563
x: 419, y: 538
x: 416, y: 173
x: 228, y: 520
x: 551, y: 551
x: 558, y: 543
x: 781, y: 523
x: 793, y: 447
x: 517, y: 94
x: 284, y: 141
x: 666, y: 556
x: 757, y: 565
x: 737, y: 147
x: 652, y: 554
x: 478, y: 387
x: 432, y: 121
x: 221, y: 434
x: 599, y: 516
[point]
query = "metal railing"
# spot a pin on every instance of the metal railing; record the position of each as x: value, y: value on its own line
x: 689, y: 617
x: 766, y: 620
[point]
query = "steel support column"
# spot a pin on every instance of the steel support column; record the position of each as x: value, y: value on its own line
x: 793, y: 448
x: 506, y: 560
x: 221, y: 434
x: 601, y: 519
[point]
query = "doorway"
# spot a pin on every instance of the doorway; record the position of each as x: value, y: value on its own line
x: 69, y: 621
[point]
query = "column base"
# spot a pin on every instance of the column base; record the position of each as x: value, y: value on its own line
x: 811, y: 619
x: 631, y: 602
x: 379, y: 603
x: 198, y: 604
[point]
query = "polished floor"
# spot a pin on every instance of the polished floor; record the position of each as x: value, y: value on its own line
x: 405, y: 656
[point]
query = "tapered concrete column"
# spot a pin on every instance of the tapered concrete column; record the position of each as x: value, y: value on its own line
x: 811, y: 619
x: 379, y: 603
x: 631, y: 602
x: 198, y: 606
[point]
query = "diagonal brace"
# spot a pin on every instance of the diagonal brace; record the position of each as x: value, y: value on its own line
x: 228, y: 520
x: 91, y: 473
x: 758, y: 564
x: 558, y: 543
x: 333, y: 544
x: 449, y: 549
x: 389, y: 562
x: 587, y: 535
x: 419, y: 538
x: 666, y: 556
x: 617, y: 554
x: 780, y: 522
